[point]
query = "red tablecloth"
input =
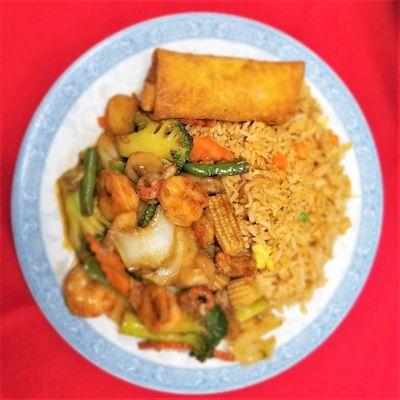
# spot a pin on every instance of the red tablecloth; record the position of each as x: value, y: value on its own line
x: 357, y: 39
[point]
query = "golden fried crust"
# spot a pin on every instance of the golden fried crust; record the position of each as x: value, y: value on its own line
x: 224, y: 88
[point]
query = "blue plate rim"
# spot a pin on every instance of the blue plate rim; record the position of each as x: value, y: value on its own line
x: 368, y: 254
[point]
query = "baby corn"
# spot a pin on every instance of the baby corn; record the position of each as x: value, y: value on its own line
x: 220, y: 281
x: 226, y: 224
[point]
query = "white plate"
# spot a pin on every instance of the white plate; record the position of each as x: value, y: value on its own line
x: 66, y: 122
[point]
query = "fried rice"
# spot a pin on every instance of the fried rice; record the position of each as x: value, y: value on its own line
x: 294, y: 198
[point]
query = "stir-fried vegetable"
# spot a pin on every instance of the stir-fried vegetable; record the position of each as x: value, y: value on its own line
x: 227, y: 229
x: 219, y: 169
x: 178, y: 346
x: 78, y: 226
x: 216, y: 324
x: 88, y: 182
x: 107, y: 151
x: 148, y: 344
x: 131, y: 325
x: 147, y: 215
x: 166, y: 140
x: 206, y: 149
x: 245, y: 313
x: 223, y: 355
x: 93, y: 269
x: 146, y: 247
x: 118, y: 166
x: 203, y: 342
x: 111, y: 264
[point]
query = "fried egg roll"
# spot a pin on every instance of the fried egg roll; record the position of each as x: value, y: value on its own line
x: 192, y: 86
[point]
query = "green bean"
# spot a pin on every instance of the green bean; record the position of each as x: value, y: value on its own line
x: 219, y: 169
x: 88, y: 182
x: 93, y: 269
x: 147, y: 215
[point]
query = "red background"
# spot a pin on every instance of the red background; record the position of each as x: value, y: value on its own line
x: 357, y: 39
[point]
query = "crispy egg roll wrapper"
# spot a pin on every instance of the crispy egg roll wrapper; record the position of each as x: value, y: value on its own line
x: 191, y: 86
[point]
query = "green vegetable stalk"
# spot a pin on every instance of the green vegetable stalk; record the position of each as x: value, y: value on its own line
x: 76, y: 225
x: 251, y: 310
x: 202, y: 339
x: 147, y: 215
x: 132, y: 326
x: 219, y: 169
x: 88, y: 182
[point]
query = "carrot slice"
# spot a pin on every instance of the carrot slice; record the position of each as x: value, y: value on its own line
x: 206, y: 149
x: 159, y: 346
x: 302, y: 150
x: 164, y: 346
x: 101, y: 121
x: 111, y: 264
x: 223, y: 355
x: 280, y: 161
x: 333, y: 139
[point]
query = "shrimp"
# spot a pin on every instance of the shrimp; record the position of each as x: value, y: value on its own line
x: 182, y: 200
x: 235, y: 266
x: 148, y: 190
x: 86, y: 297
x: 196, y: 300
x: 204, y: 230
x: 159, y: 310
x: 116, y: 194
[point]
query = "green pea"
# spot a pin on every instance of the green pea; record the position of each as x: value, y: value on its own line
x: 303, y: 217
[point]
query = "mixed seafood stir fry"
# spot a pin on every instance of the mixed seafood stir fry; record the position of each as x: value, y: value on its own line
x: 159, y: 248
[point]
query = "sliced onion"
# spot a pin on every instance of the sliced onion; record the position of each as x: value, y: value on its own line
x: 146, y: 247
x: 107, y: 151
x: 183, y: 255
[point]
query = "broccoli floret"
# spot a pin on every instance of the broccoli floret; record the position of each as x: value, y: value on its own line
x: 166, y: 139
x: 182, y: 152
x: 77, y: 226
